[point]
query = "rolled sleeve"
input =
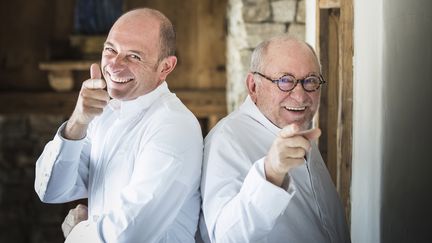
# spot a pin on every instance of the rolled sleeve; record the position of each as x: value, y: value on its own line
x: 251, y: 214
x: 262, y: 193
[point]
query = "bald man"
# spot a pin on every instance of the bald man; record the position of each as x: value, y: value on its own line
x: 263, y: 177
x: 130, y: 146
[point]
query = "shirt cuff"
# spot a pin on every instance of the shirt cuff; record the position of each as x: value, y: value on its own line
x: 74, y: 147
x: 269, y: 198
x: 85, y: 231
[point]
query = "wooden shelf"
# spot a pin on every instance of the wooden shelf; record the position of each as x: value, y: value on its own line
x: 60, y: 73
x: 207, y: 104
x: 67, y: 65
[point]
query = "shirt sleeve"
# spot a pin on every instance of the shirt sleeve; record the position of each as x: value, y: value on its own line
x: 166, y: 175
x: 62, y: 169
x: 239, y: 204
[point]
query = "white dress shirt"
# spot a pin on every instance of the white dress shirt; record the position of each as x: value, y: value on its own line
x: 139, y: 166
x: 240, y: 205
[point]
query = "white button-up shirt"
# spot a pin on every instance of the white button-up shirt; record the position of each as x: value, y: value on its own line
x: 139, y: 166
x: 240, y: 205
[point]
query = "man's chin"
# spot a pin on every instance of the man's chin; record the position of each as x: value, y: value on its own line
x: 116, y: 94
x: 301, y: 124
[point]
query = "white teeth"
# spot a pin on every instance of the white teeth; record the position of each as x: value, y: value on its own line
x: 120, y: 80
x: 295, y: 108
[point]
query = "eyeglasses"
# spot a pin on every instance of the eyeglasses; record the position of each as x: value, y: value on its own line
x: 288, y: 82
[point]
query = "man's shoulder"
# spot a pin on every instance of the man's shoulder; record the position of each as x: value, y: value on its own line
x: 171, y: 108
x: 235, y: 125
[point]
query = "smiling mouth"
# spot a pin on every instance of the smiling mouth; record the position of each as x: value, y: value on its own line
x: 296, y: 109
x: 121, y: 80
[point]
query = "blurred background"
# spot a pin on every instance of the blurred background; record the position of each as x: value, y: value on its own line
x: 375, y: 113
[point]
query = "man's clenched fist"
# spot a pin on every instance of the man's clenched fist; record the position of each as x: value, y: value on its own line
x: 287, y: 152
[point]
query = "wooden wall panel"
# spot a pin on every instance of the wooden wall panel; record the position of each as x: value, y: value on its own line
x: 201, y: 43
x: 28, y: 30
x: 346, y: 98
x: 329, y: 54
x: 39, y: 31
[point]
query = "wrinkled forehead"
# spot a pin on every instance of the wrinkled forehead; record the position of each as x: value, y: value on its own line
x: 290, y: 56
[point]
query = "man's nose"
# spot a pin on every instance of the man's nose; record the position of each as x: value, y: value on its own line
x: 117, y: 63
x: 298, y: 91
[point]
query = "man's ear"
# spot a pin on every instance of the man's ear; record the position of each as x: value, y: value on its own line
x: 252, y: 87
x: 166, y: 66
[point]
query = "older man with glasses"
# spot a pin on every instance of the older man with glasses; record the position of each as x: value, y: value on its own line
x: 264, y: 179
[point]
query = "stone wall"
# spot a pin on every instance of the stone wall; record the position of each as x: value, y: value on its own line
x: 249, y: 23
x: 23, y: 217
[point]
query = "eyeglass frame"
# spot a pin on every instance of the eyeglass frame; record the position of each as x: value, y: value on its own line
x: 301, y: 81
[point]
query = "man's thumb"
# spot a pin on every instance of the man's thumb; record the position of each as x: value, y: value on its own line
x: 95, y: 71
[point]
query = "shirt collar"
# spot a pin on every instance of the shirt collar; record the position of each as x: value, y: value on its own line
x: 252, y: 110
x: 133, y: 107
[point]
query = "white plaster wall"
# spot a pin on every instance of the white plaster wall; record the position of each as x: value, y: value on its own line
x: 391, y: 178
x: 367, y: 121
x: 310, y: 33
x: 406, y: 204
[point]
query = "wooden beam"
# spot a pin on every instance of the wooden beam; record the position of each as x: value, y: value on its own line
x: 208, y: 104
x: 326, y: 4
x: 346, y: 99
x: 38, y: 103
x: 60, y: 73
x: 329, y: 54
x: 335, y: 42
x: 66, y: 65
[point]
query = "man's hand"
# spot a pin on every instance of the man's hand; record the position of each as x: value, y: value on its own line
x: 92, y: 100
x: 287, y: 152
x: 76, y: 215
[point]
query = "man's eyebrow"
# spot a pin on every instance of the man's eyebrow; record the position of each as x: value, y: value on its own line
x: 107, y: 43
x: 140, y: 53
x: 291, y: 74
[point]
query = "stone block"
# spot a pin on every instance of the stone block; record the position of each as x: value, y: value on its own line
x: 256, y: 33
x: 284, y: 11
x: 245, y: 57
x: 301, y: 12
x: 297, y: 30
x: 256, y: 10
x: 14, y: 127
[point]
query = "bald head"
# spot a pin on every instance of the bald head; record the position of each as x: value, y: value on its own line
x: 271, y: 46
x: 142, y: 16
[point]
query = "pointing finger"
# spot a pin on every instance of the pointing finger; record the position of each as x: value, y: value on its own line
x: 313, y: 134
x: 294, y: 130
x: 290, y: 130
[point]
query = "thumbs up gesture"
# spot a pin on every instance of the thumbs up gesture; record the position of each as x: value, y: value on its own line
x: 91, y: 101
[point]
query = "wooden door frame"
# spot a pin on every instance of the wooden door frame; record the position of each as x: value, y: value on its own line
x: 334, y: 41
